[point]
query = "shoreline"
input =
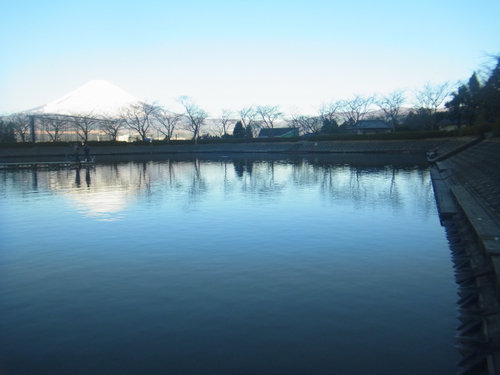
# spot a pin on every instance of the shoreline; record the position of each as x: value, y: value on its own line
x: 419, y: 147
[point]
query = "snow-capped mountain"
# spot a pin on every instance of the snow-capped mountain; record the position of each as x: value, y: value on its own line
x: 97, y: 97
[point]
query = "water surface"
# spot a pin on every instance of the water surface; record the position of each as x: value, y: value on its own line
x: 225, y: 265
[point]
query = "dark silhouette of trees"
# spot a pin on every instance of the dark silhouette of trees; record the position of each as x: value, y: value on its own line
x: 21, y: 125
x: 330, y: 126
x: 490, y: 93
x: 249, y: 131
x: 474, y: 102
x: 7, y: 131
x: 239, y: 130
x: 459, y: 105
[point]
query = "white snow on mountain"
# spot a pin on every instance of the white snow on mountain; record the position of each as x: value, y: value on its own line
x: 97, y: 97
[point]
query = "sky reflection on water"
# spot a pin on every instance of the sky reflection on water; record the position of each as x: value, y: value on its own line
x: 226, y: 265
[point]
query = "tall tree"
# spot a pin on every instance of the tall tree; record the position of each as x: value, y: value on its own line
x: 7, y: 131
x: 329, y: 126
x: 239, y: 130
x: 195, y: 116
x: 249, y: 130
x: 472, y: 109
x: 459, y: 103
x: 474, y: 84
x: 490, y: 93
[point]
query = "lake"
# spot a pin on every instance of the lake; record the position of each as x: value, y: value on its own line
x: 251, y: 264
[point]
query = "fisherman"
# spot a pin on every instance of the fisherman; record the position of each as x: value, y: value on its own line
x: 76, y: 148
x: 434, y: 152
x: 86, y: 149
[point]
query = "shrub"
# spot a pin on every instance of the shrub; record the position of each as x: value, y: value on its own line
x: 496, y: 128
x: 476, y: 130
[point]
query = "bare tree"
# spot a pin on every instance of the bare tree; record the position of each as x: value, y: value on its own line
x: 138, y: 117
x: 391, y: 106
x: 268, y: 116
x: 54, y: 126
x: 430, y: 97
x: 195, y: 116
x: 84, y: 124
x: 356, y: 109
x: 248, y: 120
x: 165, y: 122
x: 328, y: 115
x: 306, y: 124
x: 330, y: 111
x: 21, y: 125
x: 223, y: 122
x: 111, y: 126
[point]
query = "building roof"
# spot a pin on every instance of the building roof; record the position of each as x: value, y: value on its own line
x: 277, y: 132
x: 372, y: 124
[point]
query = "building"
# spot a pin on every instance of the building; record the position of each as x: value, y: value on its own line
x: 450, y: 125
x: 278, y: 132
x: 370, y: 127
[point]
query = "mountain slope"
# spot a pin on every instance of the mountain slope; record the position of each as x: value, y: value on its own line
x: 97, y: 97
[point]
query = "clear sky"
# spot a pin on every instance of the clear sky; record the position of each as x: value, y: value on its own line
x: 232, y: 54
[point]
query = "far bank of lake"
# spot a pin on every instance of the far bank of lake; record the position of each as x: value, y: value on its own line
x: 418, y: 147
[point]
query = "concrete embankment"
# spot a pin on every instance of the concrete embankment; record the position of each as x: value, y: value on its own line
x: 467, y: 187
x: 394, y: 147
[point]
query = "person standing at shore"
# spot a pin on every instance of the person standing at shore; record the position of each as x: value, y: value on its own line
x: 86, y: 150
x: 76, y: 149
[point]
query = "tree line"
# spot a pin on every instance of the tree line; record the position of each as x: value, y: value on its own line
x: 476, y: 101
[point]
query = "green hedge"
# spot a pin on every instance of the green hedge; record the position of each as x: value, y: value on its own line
x: 476, y: 130
x: 381, y: 136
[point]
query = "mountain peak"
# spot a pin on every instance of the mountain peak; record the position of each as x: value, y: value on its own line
x: 97, y: 97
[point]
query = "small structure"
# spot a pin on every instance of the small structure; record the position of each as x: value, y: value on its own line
x: 278, y: 132
x: 46, y: 165
x: 450, y: 125
x: 370, y: 127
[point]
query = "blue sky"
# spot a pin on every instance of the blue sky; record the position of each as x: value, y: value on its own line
x: 233, y: 54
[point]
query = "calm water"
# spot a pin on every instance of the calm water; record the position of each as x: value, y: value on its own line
x: 336, y: 265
